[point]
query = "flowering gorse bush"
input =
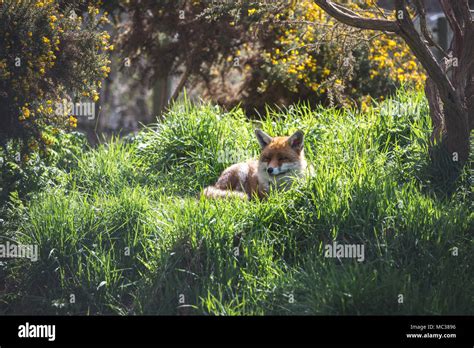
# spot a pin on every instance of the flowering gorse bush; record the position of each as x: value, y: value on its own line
x: 315, y: 54
x: 49, y: 52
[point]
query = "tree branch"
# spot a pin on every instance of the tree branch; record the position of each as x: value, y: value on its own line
x: 348, y: 17
x: 424, y: 54
x: 451, y: 17
x: 462, y: 12
x: 420, y: 6
x: 181, y: 84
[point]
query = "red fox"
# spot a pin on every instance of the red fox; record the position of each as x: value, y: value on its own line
x: 280, y: 162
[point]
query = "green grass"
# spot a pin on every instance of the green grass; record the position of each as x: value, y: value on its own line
x: 373, y: 185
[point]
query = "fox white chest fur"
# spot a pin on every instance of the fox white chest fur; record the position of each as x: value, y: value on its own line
x: 280, y: 162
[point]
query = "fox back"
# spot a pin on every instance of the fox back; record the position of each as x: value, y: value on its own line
x: 281, y: 161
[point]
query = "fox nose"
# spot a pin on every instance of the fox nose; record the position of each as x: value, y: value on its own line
x: 270, y: 170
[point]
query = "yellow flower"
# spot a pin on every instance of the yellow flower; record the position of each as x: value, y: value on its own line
x: 73, y: 121
x: 95, y: 95
x: 46, y: 40
x: 251, y: 11
x: 391, y: 43
x: 25, y: 111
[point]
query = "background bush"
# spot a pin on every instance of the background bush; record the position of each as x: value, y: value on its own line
x: 273, y: 53
x: 25, y: 176
x: 49, y: 54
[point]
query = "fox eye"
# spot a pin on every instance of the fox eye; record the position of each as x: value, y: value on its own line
x: 283, y: 159
x: 266, y: 159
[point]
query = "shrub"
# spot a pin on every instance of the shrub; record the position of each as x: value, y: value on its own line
x: 25, y: 175
x: 316, y: 58
x: 48, y: 56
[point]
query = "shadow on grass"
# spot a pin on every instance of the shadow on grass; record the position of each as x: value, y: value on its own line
x: 442, y: 174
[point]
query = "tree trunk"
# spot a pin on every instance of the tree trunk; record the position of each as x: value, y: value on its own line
x: 450, y: 125
x: 458, y: 116
x: 457, y: 134
x: 452, y: 118
x: 160, y: 96
x: 436, y: 112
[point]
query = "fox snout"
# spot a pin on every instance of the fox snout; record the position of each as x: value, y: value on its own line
x: 275, y: 167
x: 283, y: 168
x: 275, y: 170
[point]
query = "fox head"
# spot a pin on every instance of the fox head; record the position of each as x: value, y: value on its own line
x: 280, y: 156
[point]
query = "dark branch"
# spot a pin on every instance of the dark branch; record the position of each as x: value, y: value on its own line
x: 348, y: 17
x: 424, y: 54
x: 420, y: 7
x: 451, y: 17
x: 462, y: 12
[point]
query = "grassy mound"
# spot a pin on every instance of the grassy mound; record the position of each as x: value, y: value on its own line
x: 124, y: 232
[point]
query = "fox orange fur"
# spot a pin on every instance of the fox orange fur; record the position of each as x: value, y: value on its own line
x: 281, y: 160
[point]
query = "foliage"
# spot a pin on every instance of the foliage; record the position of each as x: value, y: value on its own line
x: 372, y: 185
x: 337, y: 61
x: 273, y: 52
x: 48, y: 56
x: 180, y: 38
x: 23, y: 176
x: 318, y: 59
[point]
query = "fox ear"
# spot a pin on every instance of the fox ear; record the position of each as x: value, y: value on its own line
x: 263, y: 138
x: 296, y: 141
